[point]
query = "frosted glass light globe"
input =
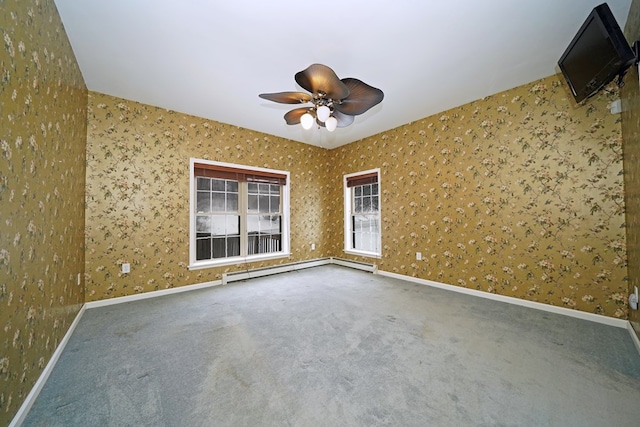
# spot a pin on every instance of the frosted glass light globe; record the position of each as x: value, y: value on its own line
x: 306, y: 121
x: 331, y: 123
x: 323, y: 113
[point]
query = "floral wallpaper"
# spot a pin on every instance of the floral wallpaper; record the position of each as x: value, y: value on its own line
x: 138, y: 193
x: 43, y: 102
x: 518, y: 194
x: 631, y: 135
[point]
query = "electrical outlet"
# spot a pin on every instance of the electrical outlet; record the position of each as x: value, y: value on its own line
x: 126, y: 267
x: 419, y: 256
x: 313, y: 246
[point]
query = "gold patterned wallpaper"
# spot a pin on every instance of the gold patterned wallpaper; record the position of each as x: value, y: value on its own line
x: 138, y: 193
x: 518, y: 194
x: 42, y: 179
x: 631, y: 136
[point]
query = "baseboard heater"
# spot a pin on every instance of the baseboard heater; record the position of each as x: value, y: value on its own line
x: 372, y: 268
x: 276, y: 269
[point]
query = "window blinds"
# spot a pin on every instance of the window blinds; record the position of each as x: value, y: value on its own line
x: 238, y: 174
x: 368, y: 178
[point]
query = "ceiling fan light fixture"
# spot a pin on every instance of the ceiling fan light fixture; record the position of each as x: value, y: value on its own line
x: 306, y: 120
x: 323, y: 112
x: 334, y: 101
x: 331, y: 123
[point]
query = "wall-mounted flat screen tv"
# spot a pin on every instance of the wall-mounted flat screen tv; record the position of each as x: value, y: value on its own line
x: 597, y: 54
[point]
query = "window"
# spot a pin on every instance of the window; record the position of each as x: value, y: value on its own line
x: 362, y: 213
x: 238, y: 214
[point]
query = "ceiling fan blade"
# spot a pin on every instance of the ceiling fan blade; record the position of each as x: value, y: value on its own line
x: 344, y: 120
x: 320, y: 78
x: 361, y: 97
x: 287, y: 97
x: 293, y: 117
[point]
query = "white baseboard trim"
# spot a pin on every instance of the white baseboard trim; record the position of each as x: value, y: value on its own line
x: 619, y: 323
x: 20, y: 416
x: 634, y: 336
x: 152, y: 294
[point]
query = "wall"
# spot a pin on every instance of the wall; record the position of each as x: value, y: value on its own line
x: 42, y: 175
x: 631, y: 136
x: 518, y: 194
x: 138, y: 193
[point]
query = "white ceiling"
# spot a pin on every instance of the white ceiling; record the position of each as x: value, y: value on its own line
x: 212, y: 58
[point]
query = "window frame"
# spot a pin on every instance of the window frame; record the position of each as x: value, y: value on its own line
x: 243, y: 212
x: 348, y: 206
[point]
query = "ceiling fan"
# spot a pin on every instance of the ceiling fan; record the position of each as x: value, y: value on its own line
x: 334, y: 101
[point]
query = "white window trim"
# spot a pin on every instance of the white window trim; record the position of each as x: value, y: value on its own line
x: 218, y: 262
x: 347, y: 216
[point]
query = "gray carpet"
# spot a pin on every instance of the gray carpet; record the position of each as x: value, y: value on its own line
x: 332, y: 346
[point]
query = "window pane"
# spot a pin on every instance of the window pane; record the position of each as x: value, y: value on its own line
x: 374, y: 204
x: 253, y: 223
x: 253, y: 203
x: 272, y: 244
x: 357, y: 223
x: 357, y: 205
x: 263, y: 188
x: 276, y: 223
x: 217, y: 184
x: 232, y: 202
x: 203, y: 224
x: 233, y: 246
x: 366, y: 190
x: 374, y: 223
x: 267, y: 244
x: 252, y: 244
x: 203, y: 202
x: 233, y: 224
x: 219, y: 248
x: 203, y: 249
x: 366, y: 204
x: 366, y: 242
x: 218, y: 225
x: 269, y: 224
x: 253, y: 187
x: 275, y: 189
x: 263, y: 204
x: 232, y: 186
x: 203, y: 183
x: 217, y: 204
x: 357, y: 190
x: 374, y: 189
x: 274, y: 201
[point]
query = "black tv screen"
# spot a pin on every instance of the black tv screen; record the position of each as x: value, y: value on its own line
x: 597, y: 54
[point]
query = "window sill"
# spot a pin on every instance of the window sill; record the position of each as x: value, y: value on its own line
x: 362, y: 253
x: 199, y: 265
